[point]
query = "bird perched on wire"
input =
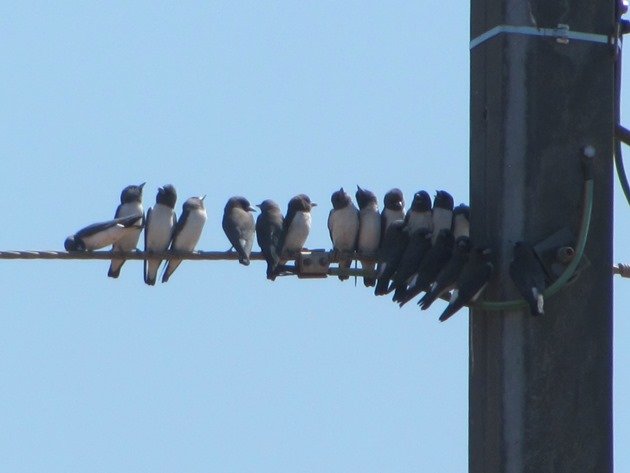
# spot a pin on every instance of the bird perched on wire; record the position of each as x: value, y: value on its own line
x: 239, y: 226
x: 343, y: 226
x: 369, y: 230
x: 471, y: 282
x: 447, y: 277
x: 159, y: 228
x: 419, y: 214
x: 430, y: 266
x: 268, y: 234
x: 390, y: 253
x: 393, y: 209
x: 442, y: 212
x: 461, y: 221
x: 528, y: 276
x: 296, y: 226
x: 130, y: 204
x: 417, y: 248
x: 187, y: 232
x: 102, y: 234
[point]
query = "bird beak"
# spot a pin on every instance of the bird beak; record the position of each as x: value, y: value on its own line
x: 259, y: 206
x: 142, y: 185
x: 341, y: 190
x: 201, y: 198
x: 252, y: 209
x: 313, y: 204
x: 359, y: 187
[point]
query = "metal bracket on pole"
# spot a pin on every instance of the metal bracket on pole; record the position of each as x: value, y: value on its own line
x: 562, y: 33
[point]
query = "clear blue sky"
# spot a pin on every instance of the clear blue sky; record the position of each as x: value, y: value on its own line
x: 220, y: 370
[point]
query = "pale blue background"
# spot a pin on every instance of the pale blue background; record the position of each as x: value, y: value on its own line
x: 220, y: 370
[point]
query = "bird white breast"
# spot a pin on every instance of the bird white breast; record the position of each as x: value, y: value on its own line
x: 419, y: 220
x: 130, y: 240
x: 160, y: 229
x: 442, y: 219
x: 107, y: 237
x: 461, y: 226
x: 187, y: 239
x: 344, y: 227
x: 369, y: 230
x: 392, y: 215
x: 297, y: 232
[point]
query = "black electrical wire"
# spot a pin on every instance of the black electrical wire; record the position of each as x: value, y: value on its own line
x: 619, y: 130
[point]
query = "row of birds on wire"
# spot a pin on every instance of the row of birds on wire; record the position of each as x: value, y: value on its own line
x: 425, y: 249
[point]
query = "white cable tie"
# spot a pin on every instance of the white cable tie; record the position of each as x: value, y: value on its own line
x: 562, y: 34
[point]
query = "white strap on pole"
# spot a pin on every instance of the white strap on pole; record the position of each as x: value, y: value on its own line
x: 562, y: 34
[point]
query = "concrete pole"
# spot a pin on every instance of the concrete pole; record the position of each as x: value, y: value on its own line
x: 540, y: 395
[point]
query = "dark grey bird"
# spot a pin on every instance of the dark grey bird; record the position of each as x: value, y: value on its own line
x: 102, y: 234
x: 159, y: 228
x: 447, y: 278
x: 417, y: 248
x: 393, y: 209
x: 419, y: 214
x: 471, y: 282
x: 296, y: 226
x: 369, y: 230
x: 461, y: 221
x: 442, y: 212
x: 343, y: 226
x: 268, y: 233
x: 528, y: 277
x: 130, y: 204
x: 239, y: 226
x: 430, y: 266
x: 187, y: 232
x: 389, y: 255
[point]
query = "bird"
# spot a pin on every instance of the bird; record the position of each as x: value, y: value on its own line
x: 445, y: 281
x: 187, y: 231
x: 102, y: 234
x: 528, y: 276
x: 461, y: 221
x: 393, y: 209
x: 159, y: 228
x: 419, y: 214
x: 369, y: 230
x: 130, y: 204
x: 442, y: 212
x: 239, y: 226
x: 418, y: 246
x: 471, y: 282
x: 296, y: 227
x: 389, y: 255
x: 430, y: 266
x: 268, y: 233
x: 343, y: 226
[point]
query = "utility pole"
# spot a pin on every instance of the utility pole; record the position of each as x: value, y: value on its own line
x: 540, y: 393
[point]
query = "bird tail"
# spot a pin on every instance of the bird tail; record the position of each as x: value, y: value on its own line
x: 381, y: 286
x: 343, y: 265
x: 170, y: 269
x: 151, y: 267
x: 272, y: 263
x: 409, y: 294
x: 428, y: 299
x: 114, y: 268
x: 448, y: 312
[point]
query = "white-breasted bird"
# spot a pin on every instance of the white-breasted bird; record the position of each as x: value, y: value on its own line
x: 343, y: 226
x: 130, y: 204
x: 187, y: 231
x: 159, y: 228
x: 369, y: 230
